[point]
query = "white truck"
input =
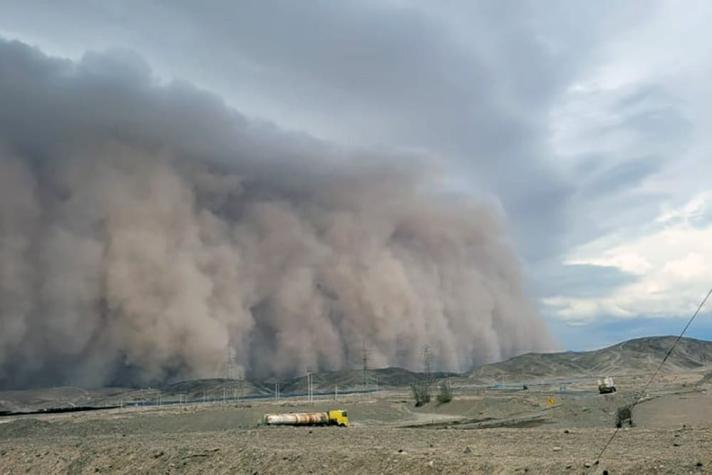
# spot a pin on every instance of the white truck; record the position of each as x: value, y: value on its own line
x: 606, y: 385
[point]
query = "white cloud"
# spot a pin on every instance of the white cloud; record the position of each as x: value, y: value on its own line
x: 672, y: 260
x: 694, y: 210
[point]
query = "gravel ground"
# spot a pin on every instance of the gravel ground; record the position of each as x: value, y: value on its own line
x: 362, y: 450
x: 673, y: 434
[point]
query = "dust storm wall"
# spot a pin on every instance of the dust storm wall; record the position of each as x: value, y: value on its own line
x: 146, y: 227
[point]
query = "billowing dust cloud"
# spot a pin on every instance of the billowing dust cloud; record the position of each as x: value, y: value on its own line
x: 145, y: 228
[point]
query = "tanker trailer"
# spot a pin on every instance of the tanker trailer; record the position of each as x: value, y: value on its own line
x: 335, y: 417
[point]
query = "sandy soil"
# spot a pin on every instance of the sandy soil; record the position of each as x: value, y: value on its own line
x: 363, y: 450
x: 479, y: 432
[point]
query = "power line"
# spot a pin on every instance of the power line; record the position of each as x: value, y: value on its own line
x: 667, y: 355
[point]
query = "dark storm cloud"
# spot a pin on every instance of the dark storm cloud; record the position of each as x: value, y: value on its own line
x: 469, y: 81
x: 583, y: 280
x: 622, y: 176
x: 642, y: 130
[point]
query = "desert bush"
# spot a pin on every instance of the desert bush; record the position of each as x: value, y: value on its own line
x: 421, y: 393
x: 624, y: 414
x: 445, y: 394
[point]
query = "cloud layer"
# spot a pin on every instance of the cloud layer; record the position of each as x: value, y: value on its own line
x: 669, y: 268
x: 145, y: 228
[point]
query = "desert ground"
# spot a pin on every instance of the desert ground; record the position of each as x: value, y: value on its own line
x: 549, y: 428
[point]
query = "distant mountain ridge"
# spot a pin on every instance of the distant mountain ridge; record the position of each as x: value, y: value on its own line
x: 641, y: 355
x: 629, y: 357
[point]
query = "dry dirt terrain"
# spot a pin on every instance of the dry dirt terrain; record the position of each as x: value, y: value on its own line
x: 496, y: 430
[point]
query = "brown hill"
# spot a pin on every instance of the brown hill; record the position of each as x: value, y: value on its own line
x: 640, y: 355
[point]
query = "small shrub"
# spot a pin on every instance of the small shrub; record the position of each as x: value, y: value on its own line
x: 624, y: 414
x: 445, y: 394
x: 421, y: 393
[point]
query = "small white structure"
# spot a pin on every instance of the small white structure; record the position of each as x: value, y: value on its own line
x: 606, y: 385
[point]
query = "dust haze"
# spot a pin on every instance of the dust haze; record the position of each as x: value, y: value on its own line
x: 146, y: 227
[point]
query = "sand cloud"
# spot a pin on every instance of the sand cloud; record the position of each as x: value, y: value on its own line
x: 145, y: 228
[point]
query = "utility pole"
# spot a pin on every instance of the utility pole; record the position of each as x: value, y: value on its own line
x: 276, y: 391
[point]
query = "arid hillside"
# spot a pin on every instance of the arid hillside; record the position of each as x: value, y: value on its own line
x: 641, y: 355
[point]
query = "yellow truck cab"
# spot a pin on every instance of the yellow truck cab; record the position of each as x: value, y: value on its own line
x: 339, y: 417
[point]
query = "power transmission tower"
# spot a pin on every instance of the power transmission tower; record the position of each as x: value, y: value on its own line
x: 427, y: 363
x: 364, y: 360
x: 309, y: 385
x: 230, y: 373
x: 241, y: 383
x: 228, y: 362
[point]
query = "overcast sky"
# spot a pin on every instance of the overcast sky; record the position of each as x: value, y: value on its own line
x: 585, y: 122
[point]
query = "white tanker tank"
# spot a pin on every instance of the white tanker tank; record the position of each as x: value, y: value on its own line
x: 335, y: 417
